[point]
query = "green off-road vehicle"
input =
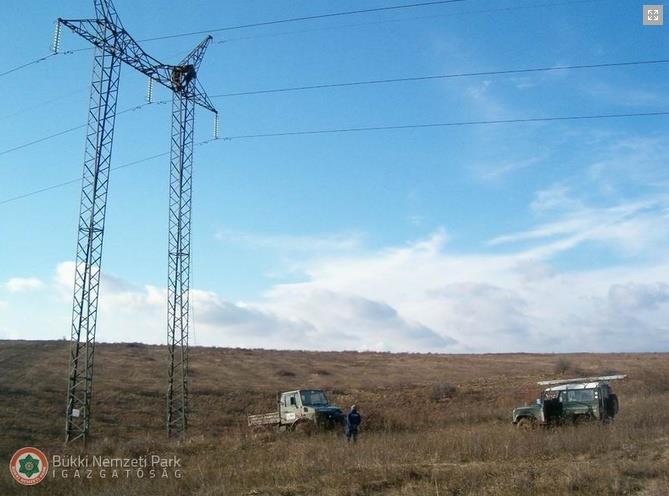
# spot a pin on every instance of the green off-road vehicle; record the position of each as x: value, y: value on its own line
x: 570, y: 401
x: 304, y: 410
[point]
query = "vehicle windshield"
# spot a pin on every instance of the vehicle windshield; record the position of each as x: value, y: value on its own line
x: 314, y: 398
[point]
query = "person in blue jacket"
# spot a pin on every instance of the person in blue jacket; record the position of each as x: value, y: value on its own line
x: 353, y: 420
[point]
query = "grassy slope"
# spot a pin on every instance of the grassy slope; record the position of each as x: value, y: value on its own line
x: 462, y: 444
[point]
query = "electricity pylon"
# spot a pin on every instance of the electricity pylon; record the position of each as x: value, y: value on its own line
x: 185, y: 92
x: 114, y: 46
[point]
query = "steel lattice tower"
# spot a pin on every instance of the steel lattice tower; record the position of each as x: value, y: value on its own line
x: 114, y: 45
x: 178, y: 280
x: 181, y: 174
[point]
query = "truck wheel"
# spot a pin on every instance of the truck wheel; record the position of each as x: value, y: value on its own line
x: 526, y: 424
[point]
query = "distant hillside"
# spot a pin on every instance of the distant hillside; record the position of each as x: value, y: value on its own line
x: 418, y: 397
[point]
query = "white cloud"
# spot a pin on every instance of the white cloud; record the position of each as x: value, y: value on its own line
x: 344, y: 320
x: 243, y: 325
x: 423, y: 296
x: 497, y: 171
x: 496, y: 302
x: 629, y: 227
x: 557, y: 197
x: 638, y: 297
x: 23, y: 284
x: 626, y: 160
x: 64, y: 279
x: 291, y: 316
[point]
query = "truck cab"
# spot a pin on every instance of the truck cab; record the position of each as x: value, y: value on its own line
x: 300, y: 409
x: 307, y: 405
x: 570, y: 401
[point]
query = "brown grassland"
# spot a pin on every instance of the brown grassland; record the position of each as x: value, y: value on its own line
x: 433, y: 424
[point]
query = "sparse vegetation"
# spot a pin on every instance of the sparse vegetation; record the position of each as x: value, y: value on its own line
x: 410, y: 444
x: 443, y: 391
x: 562, y: 366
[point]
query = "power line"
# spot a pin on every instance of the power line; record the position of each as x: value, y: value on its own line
x: 72, y: 129
x: 444, y: 124
x: 38, y: 60
x: 251, y: 25
x: 369, y: 82
x: 388, y: 81
x: 27, y: 64
x: 356, y: 129
x: 320, y: 16
x: 293, y: 19
x: 307, y: 18
x: 404, y: 19
x: 40, y: 140
x: 440, y: 76
x: 78, y: 180
x: 42, y: 103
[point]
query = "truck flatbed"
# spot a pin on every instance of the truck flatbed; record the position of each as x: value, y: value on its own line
x: 264, y: 419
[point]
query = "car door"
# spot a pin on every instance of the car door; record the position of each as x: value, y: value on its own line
x: 601, y: 399
x: 289, y: 407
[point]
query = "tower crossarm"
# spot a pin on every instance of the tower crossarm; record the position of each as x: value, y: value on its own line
x: 116, y: 41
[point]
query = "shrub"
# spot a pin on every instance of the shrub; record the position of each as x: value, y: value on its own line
x: 562, y: 366
x: 285, y: 373
x: 442, y: 391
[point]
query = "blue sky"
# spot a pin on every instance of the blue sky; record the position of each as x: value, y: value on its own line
x: 510, y: 237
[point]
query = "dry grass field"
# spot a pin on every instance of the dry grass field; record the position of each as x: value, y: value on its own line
x: 433, y: 424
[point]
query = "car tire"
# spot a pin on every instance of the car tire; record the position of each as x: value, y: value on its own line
x: 526, y: 424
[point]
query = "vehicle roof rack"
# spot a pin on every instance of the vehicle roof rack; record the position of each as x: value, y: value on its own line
x: 582, y: 379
